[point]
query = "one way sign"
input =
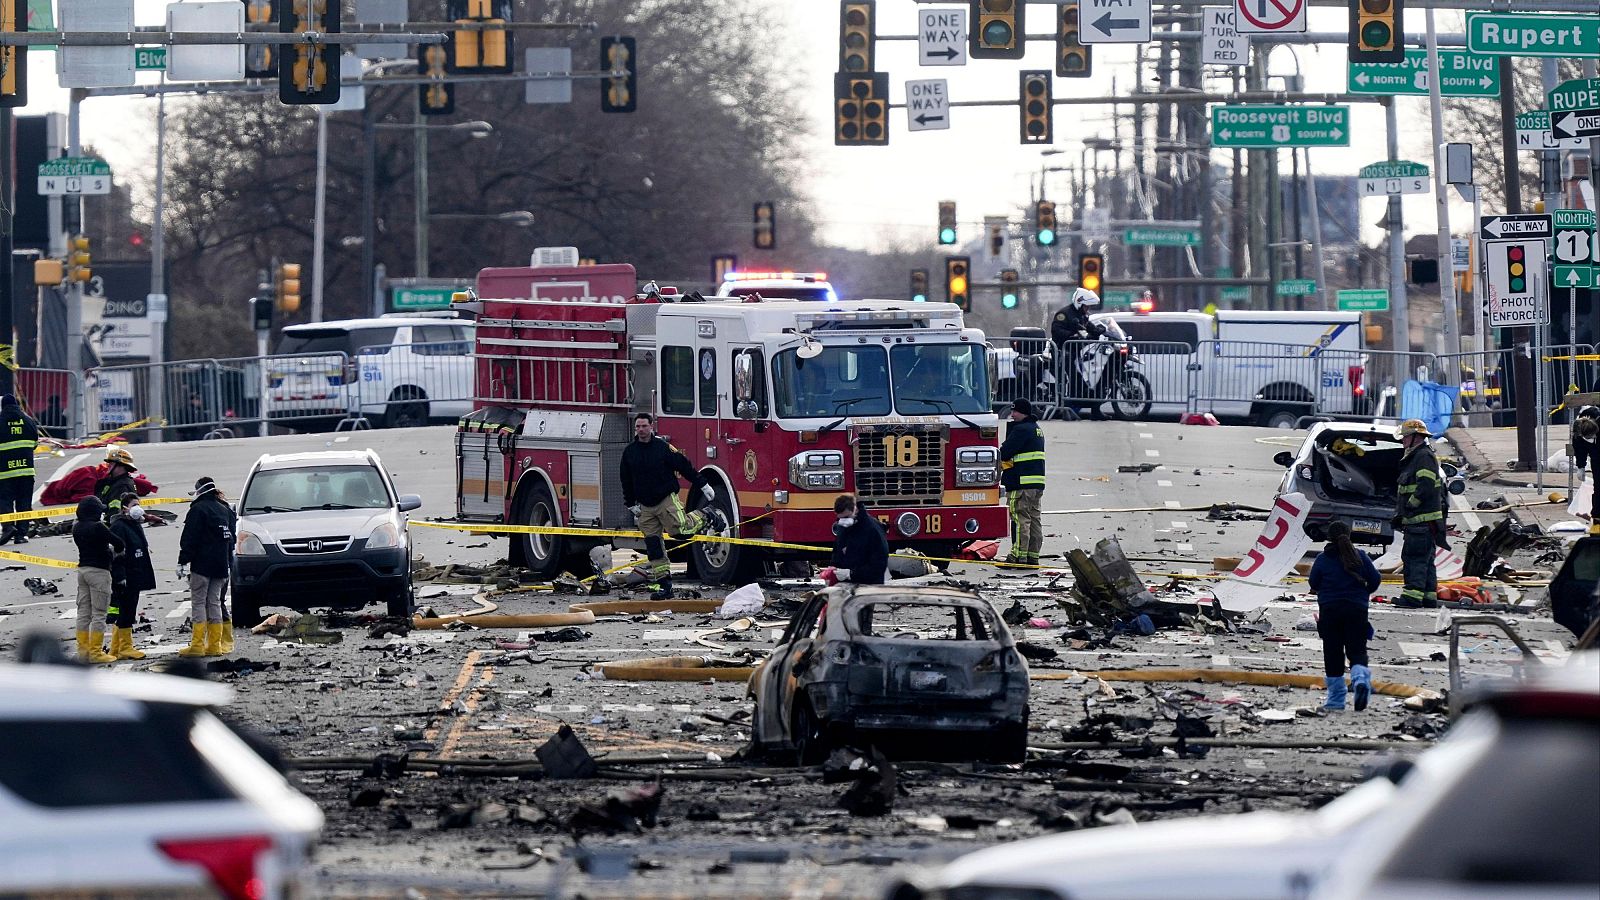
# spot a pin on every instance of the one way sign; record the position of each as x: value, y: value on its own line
x: 1577, y: 123
x: 927, y: 105
x: 1493, y: 228
x: 1114, y: 21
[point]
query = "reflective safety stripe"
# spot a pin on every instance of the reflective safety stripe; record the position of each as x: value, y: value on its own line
x: 1428, y: 473
x: 17, y: 473
x: 17, y: 445
x: 1030, y: 456
x: 1408, y: 489
x: 1423, y: 517
x: 1033, y: 479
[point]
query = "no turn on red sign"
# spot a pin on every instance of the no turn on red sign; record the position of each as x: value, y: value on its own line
x: 1270, y: 16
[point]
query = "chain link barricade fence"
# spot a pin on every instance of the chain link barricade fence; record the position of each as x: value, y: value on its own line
x: 404, y: 385
x: 53, y: 397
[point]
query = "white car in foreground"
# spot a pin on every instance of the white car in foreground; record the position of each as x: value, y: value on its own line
x: 126, y: 784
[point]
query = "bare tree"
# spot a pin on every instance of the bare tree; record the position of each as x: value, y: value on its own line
x: 1477, y: 121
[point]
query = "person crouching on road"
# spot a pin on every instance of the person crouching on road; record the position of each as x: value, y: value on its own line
x: 1022, y: 475
x: 860, y: 550
x: 650, y: 469
x: 131, y: 572
x: 207, y: 546
x: 1343, y: 578
x: 97, y: 547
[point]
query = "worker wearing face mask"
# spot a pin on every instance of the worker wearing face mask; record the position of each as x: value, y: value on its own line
x: 860, y: 550
x: 131, y: 572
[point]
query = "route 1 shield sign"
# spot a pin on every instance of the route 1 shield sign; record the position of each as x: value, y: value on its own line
x: 1270, y: 16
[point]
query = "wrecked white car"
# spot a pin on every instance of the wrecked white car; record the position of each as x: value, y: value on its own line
x: 1350, y: 471
x: 920, y: 672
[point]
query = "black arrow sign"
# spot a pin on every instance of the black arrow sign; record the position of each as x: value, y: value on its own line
x: 1515, y: 226
x: 947, y: 53
x: 1105, y: 24
x: 1577, y: 123
x: 924, y: 118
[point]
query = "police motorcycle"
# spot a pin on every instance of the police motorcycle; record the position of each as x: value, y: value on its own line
x: 1100, y: 362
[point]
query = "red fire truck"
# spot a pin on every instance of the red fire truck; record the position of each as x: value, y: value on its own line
x: 782, y: 404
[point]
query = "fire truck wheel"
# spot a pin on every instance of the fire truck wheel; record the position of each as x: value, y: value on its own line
x: 543, y: 553
x: 716, y: 563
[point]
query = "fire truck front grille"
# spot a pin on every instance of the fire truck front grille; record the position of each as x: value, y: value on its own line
x: 902, y: 467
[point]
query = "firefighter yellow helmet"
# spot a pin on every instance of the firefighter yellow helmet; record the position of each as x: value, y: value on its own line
x: 1413, y: 426
x: 121, y: 456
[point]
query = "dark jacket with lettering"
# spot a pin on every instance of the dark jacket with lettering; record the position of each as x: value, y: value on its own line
x: 133, y: 567
x: 1421, y: 497
x: 207, y: 541
x: 1022, y: 456
x: 650, y: 472
x: 19, y: 434
x: 863, y: 549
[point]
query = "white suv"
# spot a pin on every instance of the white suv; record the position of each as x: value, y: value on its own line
x: 777, y: 285
x: 126, y: 784
x: 322, y: 529
x: 402, y: 371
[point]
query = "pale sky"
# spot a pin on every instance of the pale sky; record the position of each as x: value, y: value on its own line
x: 876, y: 196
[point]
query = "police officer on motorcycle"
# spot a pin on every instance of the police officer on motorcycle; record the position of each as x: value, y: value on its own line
x: 1072, y: 323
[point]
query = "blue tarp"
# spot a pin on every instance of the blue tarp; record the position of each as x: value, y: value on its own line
x: 1432, y: 403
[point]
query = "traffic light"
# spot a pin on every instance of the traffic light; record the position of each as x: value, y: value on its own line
x: 997, y: 239
x: 1074, y: 58
x: 947, y: 221
x: 78, y: 258
x: 286, y: 287
x: 1090, y: 267
x: 1008, y: 288
x: 919, y: 285
x: 485, y: 50
x: 437, y: 97
x: 855, y: 35
x: 13, y: 58
x: 619, y: 93
x: 1036, y: 108
x: 1044, y: 222
x: 997, y: 29
x: 956, y: 288
x: 722, y: 264
x: 261, y: 311
x: 765, y: 233
x: 861, y: 109
x: 309, y: 73
x: 1377, y: 31
x: 260, y: 60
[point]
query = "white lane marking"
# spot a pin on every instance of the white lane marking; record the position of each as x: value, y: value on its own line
x: 1189, y: 572
x: 1180, y: 526
x: 1458, y: 503
x: 1163, y: 483
x: 1152, y: 453
x: 1221, y: 661
x: 340, y: 440
x: 40, y: 603
x: 1147, y: 435
x: 1185, y: 548
x: 180, y: 612
x: 1171, y: 504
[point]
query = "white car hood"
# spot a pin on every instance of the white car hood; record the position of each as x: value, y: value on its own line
x: 355, y: 523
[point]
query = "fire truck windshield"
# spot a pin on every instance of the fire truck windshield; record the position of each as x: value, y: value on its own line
x: 837, y: 381
x: 939, y: 378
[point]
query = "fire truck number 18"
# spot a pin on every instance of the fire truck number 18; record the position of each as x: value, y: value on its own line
x: 899, y: 451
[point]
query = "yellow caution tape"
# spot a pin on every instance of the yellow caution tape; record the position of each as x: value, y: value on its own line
x: 32, y: 560
x: 52, y: 512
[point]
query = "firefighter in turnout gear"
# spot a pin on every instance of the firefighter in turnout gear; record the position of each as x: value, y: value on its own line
x: 1022, y: 475
x: 1421, y: 517
x: 20, y: 438
x: 650, y: 470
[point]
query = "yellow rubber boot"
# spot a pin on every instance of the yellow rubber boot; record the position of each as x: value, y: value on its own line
x: 122, y: 645
x: 197, y: 641
x: 96, y: 653
x: 83, y: 646
x: 213, y: 639
x: 227, y: 636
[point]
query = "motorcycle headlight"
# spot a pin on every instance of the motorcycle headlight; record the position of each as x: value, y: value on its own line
x: 385, y: 535
x: 249, y: 544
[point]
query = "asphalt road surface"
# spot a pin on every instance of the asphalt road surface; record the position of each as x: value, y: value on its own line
x: 460, y: 824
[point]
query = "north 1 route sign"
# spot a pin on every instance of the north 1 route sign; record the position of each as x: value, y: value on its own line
x: 1516, y: 279
x: 74, y: 175
x: 1280, y: 126
x: 1574, y: 248
x: 1461, y: 74
x: 1385, y: 178
x: 1536, y: 34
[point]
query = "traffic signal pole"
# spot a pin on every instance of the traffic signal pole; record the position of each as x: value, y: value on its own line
x: 158, y: 277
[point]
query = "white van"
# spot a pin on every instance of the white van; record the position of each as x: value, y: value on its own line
x: 1266, y: 368
x: 398, y: 370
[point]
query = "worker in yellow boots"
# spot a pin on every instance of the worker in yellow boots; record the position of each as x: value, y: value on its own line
x: 97, y: 546
x: 207, y: 545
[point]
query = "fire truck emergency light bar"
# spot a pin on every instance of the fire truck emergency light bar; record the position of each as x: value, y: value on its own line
x: 835, y: 319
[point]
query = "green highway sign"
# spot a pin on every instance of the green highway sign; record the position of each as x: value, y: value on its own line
x: 1297, y: 287
x: 1461, y: 74
x: 73, y: 166
x: 1118, y: 298
x: 421, y: 297
x: 1162, y: 237
x: 1237, y: 293
x: 1363, y: 300
x: 150, y: 59
x: 1280, y: 126
x: 1579, y: 93
x: 1573, y: 277
x: 1533, y: 34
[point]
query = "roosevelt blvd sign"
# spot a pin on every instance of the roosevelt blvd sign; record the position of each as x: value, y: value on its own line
x: 1280, y: 126
x: 1537, y: 34
x: 74, y: 175
x: 1461, y: 74
x: 1533, y: 133
x: 1401, y: 177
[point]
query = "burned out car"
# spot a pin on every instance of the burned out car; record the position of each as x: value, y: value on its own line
x: 1350, y: 472
x: 919, y: 672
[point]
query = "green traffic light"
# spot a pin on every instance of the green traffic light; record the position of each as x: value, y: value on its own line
x: 1376, y: 34
x: 1047, y: 237
x: 1009, y: 301
x: 947, y: 235
x: 919, y: 298
x: 997, y: 34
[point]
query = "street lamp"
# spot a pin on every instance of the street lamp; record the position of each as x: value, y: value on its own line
x: 476, y: 129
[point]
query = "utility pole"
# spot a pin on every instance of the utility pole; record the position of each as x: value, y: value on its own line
x: 156, y: 303
x: 1450, y: 334
x: 73, y: 209
x: 1260, y: 265
x: 1398, y: 303
x: 419, y: 169
x: 320, y: 206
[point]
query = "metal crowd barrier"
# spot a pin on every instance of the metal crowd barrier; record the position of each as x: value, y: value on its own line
x: 53, y: 397
x: 1050, y: 375
x: 413, y: 384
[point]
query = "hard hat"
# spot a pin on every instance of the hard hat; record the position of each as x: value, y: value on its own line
x: 1412, y: 426
x: 121, y: 456
x: 1085, y: 297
